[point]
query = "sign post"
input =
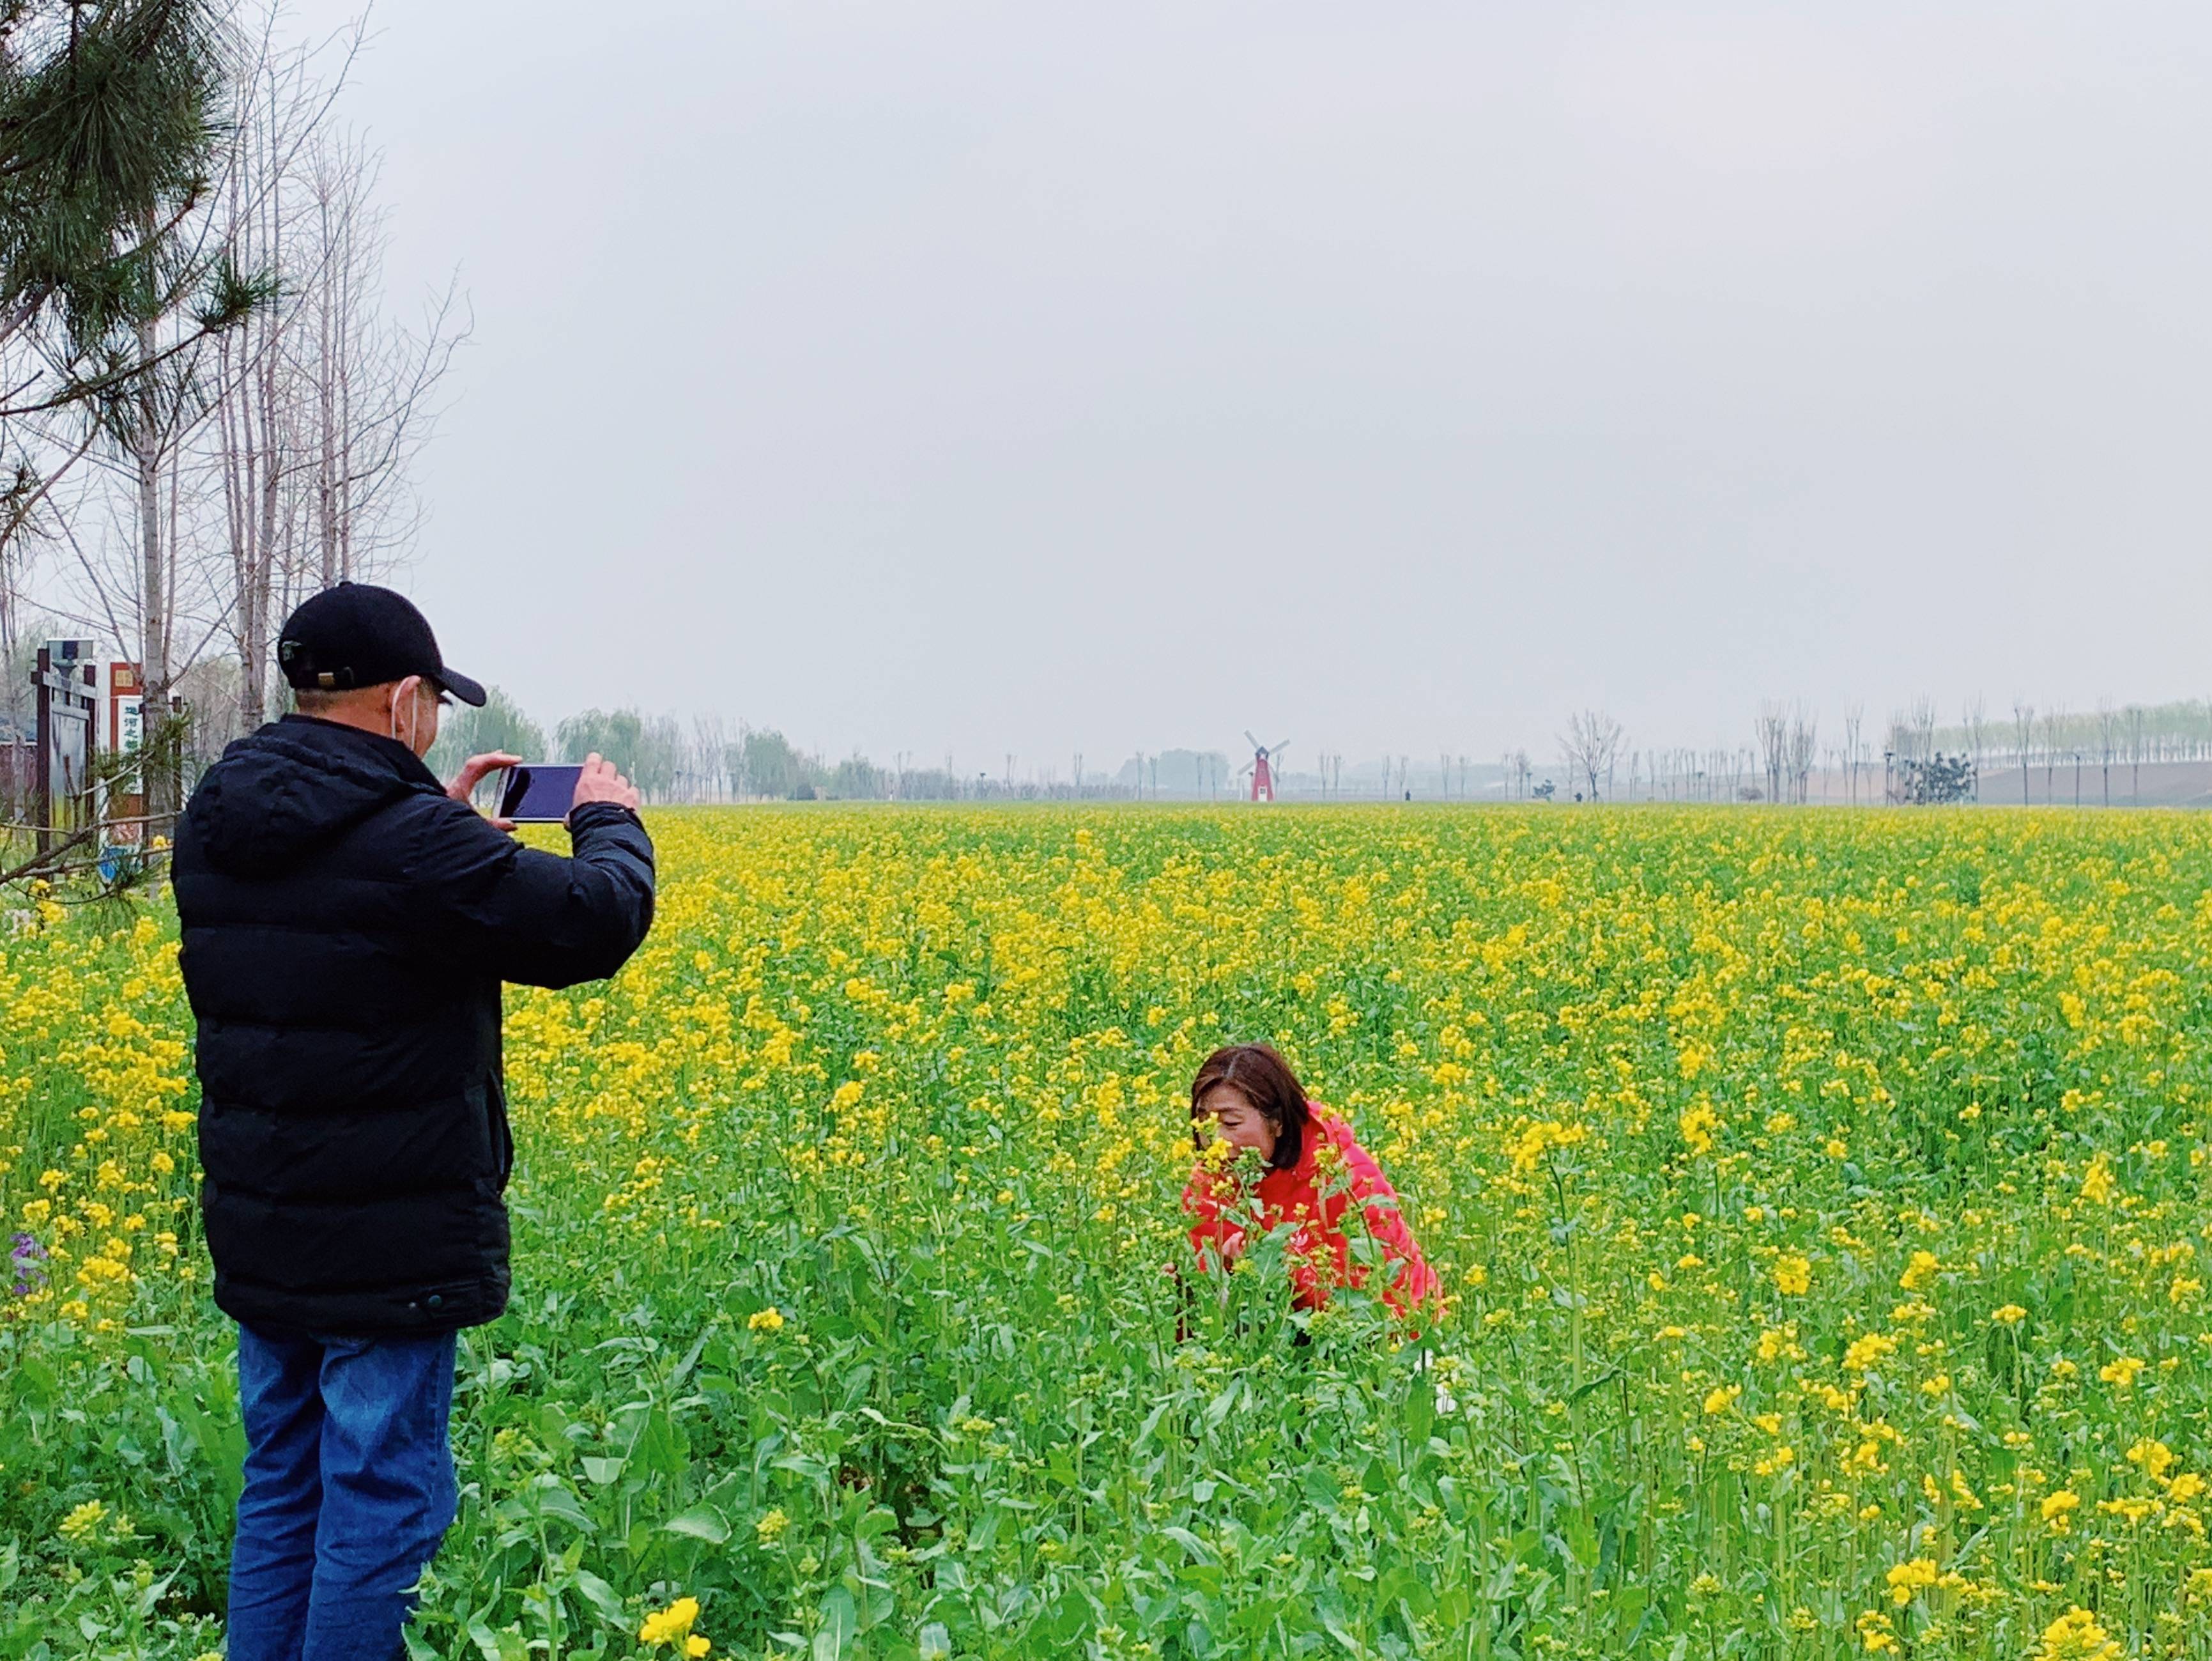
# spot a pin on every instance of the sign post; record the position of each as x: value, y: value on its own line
x: 127, y: 731
x: 66, y: 681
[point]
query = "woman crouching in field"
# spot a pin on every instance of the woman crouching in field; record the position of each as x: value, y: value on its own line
x: 1246, y: 1098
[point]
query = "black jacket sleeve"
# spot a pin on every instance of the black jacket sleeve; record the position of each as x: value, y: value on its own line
x: 532, y: 917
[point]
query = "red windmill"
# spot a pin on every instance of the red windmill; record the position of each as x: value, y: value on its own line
x: 1263, y: 776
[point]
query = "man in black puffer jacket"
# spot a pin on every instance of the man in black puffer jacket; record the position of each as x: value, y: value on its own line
x: 347, y: 921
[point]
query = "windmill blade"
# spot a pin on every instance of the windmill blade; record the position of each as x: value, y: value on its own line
x: 1278, y: 749
x: 1250, y: 740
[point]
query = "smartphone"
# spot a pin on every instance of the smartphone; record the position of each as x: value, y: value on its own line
x: 538, y: 794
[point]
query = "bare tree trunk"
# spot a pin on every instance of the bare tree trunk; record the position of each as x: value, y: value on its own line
x: 251, y: 408
x: 326, y: 468
x: 340, y: 449
x: 153, y: 570
x: 255, y: 594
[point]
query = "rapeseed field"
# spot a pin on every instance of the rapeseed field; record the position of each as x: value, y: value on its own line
x: 1821, y: 1199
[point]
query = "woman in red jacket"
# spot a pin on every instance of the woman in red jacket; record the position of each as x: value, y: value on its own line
x: 1246, y: 1097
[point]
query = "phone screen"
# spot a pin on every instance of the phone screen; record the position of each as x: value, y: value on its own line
x: 538, y: 795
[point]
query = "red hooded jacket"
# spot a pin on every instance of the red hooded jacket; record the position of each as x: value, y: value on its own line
x: 1314, y: 1193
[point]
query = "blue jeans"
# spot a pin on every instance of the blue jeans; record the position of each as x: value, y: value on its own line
x: 348, y: 1487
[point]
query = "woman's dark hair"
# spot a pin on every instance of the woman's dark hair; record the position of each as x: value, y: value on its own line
x: 1264, y: 1080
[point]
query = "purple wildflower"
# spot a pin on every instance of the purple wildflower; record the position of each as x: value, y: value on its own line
x: 24, y: 1257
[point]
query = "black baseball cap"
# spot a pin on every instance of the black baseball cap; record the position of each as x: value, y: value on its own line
x: 359, y: 635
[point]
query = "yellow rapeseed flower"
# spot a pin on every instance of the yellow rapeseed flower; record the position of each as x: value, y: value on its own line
x: 672, y: 1626
x: 2098, y: 1185
x: 2076, y: 1636
x: 1908, y: 1579
x: 83, y: 1522
x: 2155, y: 1456
x: 2121, y: 1373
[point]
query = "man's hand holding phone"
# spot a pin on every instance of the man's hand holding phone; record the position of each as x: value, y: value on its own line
x: 601, y: 781
x: 465, y: 783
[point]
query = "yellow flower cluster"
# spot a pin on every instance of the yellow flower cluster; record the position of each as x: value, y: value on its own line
x: 672, y: 1626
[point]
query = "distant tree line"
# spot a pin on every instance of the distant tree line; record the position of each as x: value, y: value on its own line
x: 707, y: 760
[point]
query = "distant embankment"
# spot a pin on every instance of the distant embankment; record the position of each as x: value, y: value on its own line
x: 2151, y: 784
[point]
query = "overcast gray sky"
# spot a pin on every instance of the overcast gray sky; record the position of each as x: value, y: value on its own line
x: 1037, y: 378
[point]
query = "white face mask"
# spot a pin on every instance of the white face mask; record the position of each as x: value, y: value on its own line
x: 393, y: 728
